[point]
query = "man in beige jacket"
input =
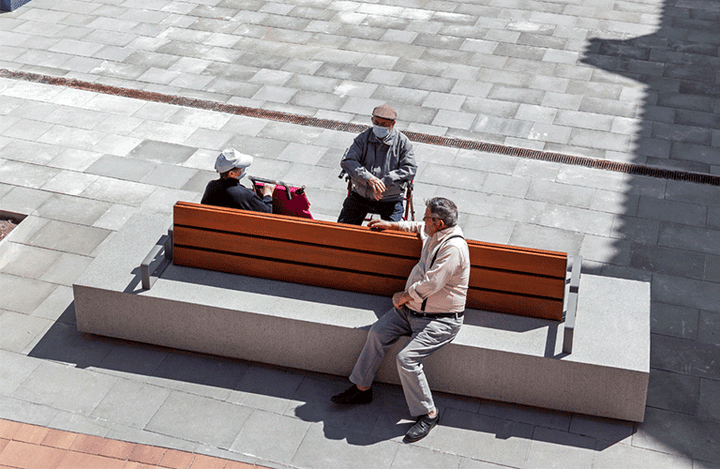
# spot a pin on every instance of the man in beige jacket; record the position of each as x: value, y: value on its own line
x: 430, y: 310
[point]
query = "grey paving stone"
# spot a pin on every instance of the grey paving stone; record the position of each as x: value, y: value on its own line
x: 72, y: 209
x: 125, y: 433
x: 25, y: 175
x: 668, y: 261
x: 552, y: 447
x: 502, y: 184
x: 709, y: 405
x: 130, y: 403
x: 689, y: 237
x: 66, y: 269
x: 577, y: 219
x: 628, y: 456
x: 605, y: 250
x: 58, y: 306
x: 198, y: 375
x: 341, y: 448
x: 270, y: 436
x: 636, y: 229
x: 25, y: 129
x: 704, y: 195
x: 709, y: 327
x: 22, y: 294
x: 14, y: 369
x: 265, y: 388
x: 26, y: 261
x: 74, y: 160
x: 487, y: 229
x: 128, y: 361
x: 466, y: 463
x: 483, y: 438
x: 118, y: 191
x: 68, y: 237
x: 47, y: 386
x: 673, y: 391
x: 541, y: 237
x: 258, y: 147
x: 565, y: 194
x: 540, y: 418
x: 115, y: 217
x: 376, y: 422
x: 696, y: 294
x: 410, y: 456
x: 671, y: 211
x: 177, y: 414
x: 683, y: 435
x: 69, y: 182
x: 448, y: 176
x: 20, y: 410
x: 684, y: 356
x: 19, y: 330
x: 674, y: 320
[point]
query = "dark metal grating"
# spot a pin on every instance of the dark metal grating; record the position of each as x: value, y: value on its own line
x: 615, y: 166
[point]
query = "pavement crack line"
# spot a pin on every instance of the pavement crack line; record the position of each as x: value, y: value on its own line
x: 466, y: 144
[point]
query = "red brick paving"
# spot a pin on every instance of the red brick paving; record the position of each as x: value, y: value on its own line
x: 24, y: 446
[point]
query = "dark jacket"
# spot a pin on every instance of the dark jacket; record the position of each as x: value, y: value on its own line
x: 230, y: 193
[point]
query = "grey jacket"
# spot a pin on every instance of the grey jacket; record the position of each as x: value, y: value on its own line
x: 391, y: 161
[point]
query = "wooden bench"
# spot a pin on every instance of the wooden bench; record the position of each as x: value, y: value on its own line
x: 504, y: 357
x: 505, y: 279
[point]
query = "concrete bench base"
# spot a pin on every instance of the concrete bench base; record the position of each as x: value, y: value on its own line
x: 495, y: 356
x: 10, y: 5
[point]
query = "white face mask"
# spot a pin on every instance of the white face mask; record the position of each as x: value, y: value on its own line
x: 380, y: 131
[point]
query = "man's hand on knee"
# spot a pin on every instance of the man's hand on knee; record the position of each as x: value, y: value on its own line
x: 401, y: 298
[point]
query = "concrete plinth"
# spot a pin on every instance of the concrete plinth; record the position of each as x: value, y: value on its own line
x: 495, y: 356
x: 10, y: 5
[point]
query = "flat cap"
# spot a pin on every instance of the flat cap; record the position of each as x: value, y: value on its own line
x: 385, y: 112
x: 231, y: 159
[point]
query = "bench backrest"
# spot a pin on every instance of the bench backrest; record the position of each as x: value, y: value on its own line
x: 503, y: 278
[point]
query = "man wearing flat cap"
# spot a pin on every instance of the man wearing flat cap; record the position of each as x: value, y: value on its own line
x: 380, y: 163
x: 228, y: 192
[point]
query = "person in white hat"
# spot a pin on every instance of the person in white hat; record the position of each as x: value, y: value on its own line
x: 380, y: 163
x: 228, y: 192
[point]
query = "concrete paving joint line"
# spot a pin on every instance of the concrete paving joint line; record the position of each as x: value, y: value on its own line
x: 596, y: 163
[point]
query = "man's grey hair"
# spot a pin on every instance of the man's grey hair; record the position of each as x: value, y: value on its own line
x: 443, y: 209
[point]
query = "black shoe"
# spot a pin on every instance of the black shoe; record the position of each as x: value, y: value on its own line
x: 353, y: 395
x: 422, y: 427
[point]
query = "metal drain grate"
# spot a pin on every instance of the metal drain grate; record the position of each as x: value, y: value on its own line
x: 606, y: 165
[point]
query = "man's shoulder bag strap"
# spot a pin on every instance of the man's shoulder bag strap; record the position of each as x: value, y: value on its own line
x: 437, y: 251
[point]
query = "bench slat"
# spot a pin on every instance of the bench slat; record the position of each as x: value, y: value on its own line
x: 275, y: 270
x: 515, y: 304
x: 301, y: 230
x: 538, y: 262
x: 370, y: 263
x: 518, y: 282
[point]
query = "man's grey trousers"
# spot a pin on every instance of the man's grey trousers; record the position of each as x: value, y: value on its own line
x: 426, y: 337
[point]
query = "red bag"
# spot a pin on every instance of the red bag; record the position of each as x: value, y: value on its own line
x: 297, y: 205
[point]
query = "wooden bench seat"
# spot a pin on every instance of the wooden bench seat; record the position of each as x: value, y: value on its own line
x: 504, y: 279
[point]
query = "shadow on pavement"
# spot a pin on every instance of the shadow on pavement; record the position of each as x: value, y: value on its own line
x: 666, y: 234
